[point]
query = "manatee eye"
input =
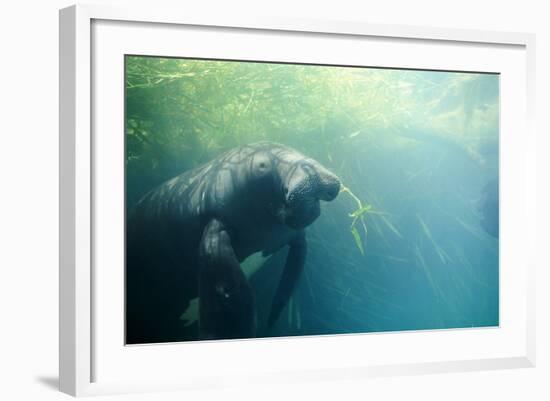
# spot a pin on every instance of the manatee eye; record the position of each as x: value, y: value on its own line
x: 262, y: 164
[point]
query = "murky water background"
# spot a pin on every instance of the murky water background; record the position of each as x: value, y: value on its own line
x: 419, y: 149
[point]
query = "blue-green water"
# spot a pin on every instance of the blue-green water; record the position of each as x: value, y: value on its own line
x: 419, y: 147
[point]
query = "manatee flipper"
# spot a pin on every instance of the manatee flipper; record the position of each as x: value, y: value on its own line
x: 295, y: 262
x: 226, y: 306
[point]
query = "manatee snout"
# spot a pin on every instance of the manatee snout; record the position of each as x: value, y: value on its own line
x: 329, y: 185
x: 312, y: 180
x: 309, y: 183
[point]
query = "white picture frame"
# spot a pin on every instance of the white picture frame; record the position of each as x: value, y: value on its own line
x: 82, y: 157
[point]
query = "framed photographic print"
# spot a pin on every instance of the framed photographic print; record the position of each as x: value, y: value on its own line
x: 297, y: 200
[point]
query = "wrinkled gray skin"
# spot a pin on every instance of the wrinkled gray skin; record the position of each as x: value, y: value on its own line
x: 187, y: 237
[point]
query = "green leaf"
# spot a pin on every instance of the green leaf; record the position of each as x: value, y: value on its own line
x: 357, y: 239
x: 362, y: 210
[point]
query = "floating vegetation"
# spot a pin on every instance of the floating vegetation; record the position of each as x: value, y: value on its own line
x: 358, y: 216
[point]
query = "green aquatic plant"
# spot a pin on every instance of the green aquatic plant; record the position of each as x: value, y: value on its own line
x: 358, y: 216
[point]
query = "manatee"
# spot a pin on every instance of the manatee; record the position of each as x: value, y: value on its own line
x: 187, y: 237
